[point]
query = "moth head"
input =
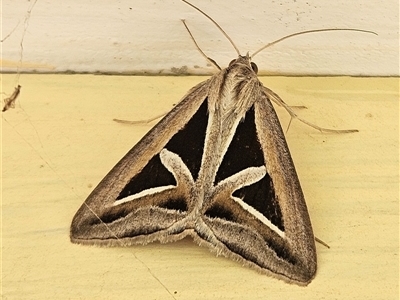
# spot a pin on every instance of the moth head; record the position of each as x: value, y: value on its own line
x: 244, y: 60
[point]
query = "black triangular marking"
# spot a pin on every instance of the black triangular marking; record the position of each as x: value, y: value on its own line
x: 245, y: 151
x: 261, y: 196
x: 188, y: 143
x: 154, y: 174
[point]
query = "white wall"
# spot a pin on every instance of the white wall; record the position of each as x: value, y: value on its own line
x: 138, y: 37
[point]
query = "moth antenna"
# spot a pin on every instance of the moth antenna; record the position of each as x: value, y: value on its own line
x: 216, y: 24
x: 198, y: 48
x: 306, y: 32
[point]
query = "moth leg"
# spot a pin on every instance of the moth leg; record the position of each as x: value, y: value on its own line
x: 298, y: 106
x: 321, y: 242
x: 140, y: 122
x: 278, y: 100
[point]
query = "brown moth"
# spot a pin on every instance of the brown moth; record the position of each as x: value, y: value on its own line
x: 217, y: 167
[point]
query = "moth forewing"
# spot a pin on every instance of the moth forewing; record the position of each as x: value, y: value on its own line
x: 88, y: 225
x: 298, y: 229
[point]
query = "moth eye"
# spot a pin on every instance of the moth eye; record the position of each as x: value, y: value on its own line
x: 254, y: 67
x: 232, y: 61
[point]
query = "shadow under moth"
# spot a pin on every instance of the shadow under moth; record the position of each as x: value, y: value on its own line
x: 217, y: 167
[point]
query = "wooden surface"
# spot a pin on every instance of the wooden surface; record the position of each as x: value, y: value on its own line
x: 60, y: 141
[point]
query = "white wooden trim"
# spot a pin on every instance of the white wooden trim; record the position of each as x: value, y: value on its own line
x: 147, y: 37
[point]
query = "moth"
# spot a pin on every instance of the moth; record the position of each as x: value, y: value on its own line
x: 9, y: 102
x: 217, y: 167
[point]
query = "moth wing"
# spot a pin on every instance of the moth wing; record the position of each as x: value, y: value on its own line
x: 138, y: 199
x: 267, y: 226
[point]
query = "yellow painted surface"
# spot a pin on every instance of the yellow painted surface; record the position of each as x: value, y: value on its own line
x: 60, y: 141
